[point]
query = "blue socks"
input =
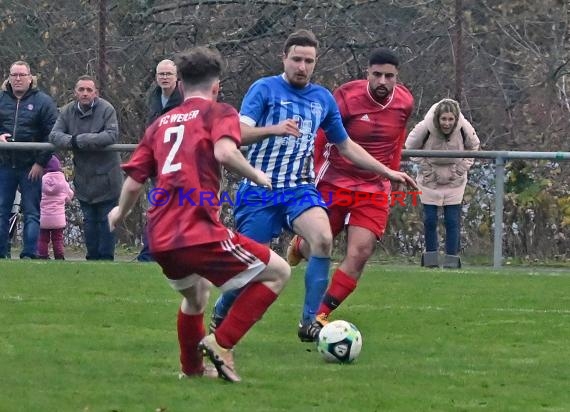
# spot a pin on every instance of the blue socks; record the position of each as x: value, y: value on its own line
x: 316, y: 282
x: 225, y: 302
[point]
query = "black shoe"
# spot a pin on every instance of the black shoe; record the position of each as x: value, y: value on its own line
x: 309, y: 332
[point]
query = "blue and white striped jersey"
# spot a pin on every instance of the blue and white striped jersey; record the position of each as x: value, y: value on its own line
x: 288, y: 159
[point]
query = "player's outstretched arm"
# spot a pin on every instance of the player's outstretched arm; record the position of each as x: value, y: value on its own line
x: 361, y: 158
x: 227, y: 153
x: 129, y: 195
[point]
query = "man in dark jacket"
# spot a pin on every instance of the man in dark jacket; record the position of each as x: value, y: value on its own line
x: 164, y: 96
x: 86, y: 125
x: 26, y: 115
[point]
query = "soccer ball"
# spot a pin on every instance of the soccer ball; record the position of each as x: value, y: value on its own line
x: 339, y: 341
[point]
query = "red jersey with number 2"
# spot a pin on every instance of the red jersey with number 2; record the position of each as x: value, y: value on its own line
x: 379, y: 128
x: 178, y: 148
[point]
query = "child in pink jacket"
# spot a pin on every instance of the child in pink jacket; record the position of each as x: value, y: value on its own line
x: 55, y: 194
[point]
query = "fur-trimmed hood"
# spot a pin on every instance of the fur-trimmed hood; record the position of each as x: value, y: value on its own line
x: 7, y: 87
x: 29, y: 118
x: 442, y: 180
x: 433, y: 123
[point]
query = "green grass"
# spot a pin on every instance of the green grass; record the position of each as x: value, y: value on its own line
x: 78, y: 336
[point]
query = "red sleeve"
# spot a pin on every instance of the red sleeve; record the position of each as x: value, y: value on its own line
x: 409, y: 99
x: 320, y: 141
x: 395, y: 165
x: 341, y: 103
x: 226, y: 124
x: 141, y: 165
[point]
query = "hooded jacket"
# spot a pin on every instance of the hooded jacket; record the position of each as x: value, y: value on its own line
x: 55, y: 194
x: 442, y: 180
x: 29, y: 119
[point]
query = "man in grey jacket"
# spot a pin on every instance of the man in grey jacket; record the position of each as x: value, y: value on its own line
x: 87, y: 125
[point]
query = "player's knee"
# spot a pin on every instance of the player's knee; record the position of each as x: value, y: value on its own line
x: 321, y: 243
x: 284, y: 276
x: 195, y: 305
x: 279, y: 272
x: 196, y: 297
x: 283, y: 272
x: 359, y: 254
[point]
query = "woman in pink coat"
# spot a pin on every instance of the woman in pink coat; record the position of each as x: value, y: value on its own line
x: 442, y: 181
x: 55, y: 194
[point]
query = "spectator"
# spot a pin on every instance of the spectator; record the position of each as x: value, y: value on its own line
x: 55, y: 194
x: 442, y: 181
x: 26, y: 115
x: 87, y: 125
x: 166, y: 95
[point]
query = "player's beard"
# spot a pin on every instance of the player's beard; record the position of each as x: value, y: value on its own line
x: 380, y: 93
x: 299, y: 80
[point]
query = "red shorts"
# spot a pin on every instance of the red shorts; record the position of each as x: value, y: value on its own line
x: 228, y: 264
x: 349, y: 209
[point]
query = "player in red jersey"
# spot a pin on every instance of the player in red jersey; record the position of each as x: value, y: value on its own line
x: 374, y: 112
x: 184, y: 150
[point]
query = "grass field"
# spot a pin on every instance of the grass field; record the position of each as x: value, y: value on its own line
x: 78, y: 336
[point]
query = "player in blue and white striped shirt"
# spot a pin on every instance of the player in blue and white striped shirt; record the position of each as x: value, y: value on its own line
x: 288, y: 158
x: 280, y: 116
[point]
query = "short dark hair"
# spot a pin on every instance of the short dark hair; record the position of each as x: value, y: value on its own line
x: 302, y: 38
x: 88, y: 78
x: 199, y: 66
x: 383, y: 55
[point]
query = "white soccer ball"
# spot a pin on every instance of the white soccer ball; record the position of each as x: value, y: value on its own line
x: 339, y: 341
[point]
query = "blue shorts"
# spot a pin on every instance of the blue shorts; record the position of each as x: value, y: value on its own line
x: 262, y: 214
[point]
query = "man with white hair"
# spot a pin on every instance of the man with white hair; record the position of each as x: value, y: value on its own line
x: 165, y: 96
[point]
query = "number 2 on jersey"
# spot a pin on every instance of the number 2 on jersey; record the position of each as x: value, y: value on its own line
x: 178, y: 133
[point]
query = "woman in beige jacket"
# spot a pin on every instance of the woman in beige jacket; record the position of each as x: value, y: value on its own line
x: 442, y: 181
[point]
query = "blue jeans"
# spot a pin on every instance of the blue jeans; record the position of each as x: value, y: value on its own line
x: 144, y: 255
x: 99, y: 240
x: 10, y: 180
x: 452, y: 220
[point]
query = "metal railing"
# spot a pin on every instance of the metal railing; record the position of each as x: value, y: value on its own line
x: 500, y: 158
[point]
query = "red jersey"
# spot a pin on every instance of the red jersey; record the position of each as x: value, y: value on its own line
x: 379, y: 128
x: 178, y: 148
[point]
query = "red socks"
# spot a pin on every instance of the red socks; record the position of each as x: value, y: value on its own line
x: 190, y: 332
x: 340, y: 287
x: 248, y: 308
